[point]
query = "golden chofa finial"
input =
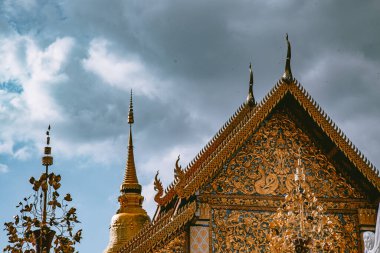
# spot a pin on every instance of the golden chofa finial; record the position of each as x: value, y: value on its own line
x: 130, y: 114
x: 47, y: 159
x: 250, y: 98
x: 287, y: 76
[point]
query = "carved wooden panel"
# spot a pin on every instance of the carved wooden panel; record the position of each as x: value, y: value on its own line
x: 265, y: 164
x: 244, y: 231
x: 177, y: 245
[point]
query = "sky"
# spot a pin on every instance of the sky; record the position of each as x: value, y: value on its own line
x: 72, y: 64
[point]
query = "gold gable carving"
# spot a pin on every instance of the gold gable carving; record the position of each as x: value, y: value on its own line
x: 246, y: 231
x: 265, y: 164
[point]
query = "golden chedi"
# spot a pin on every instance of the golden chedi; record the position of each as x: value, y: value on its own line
x: 130, y: 217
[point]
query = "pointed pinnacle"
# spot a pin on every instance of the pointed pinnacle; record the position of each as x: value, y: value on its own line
x: 287, y: 76
x: 250, y: 74
x: 130, y: 114
x: 130, y: 176
x: 130, y: 181
x: 47, y: 159
x: 48, y: 136
x: 250, y: 98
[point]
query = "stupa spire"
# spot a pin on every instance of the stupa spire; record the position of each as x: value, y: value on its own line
x: 131, y: 216
x: 287, y: 76
x: 250, y: 98
x: 130, y: 181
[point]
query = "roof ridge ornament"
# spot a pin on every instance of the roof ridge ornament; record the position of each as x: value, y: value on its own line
x: 159, y: 188
x: 179, y: 178
x: 250, y: 98
x: 287, y: 76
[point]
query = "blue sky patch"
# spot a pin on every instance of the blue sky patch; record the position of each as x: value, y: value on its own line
x: 11, y: 86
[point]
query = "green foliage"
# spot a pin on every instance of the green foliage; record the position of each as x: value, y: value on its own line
x: 59, y: 218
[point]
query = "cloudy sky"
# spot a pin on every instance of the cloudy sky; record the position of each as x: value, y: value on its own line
x: 72, y: 64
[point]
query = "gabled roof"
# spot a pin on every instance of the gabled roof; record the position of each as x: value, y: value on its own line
x: 238, y: 128
x: 177, y: 206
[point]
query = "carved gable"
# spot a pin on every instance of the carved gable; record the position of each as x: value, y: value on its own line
x: 265, y: 164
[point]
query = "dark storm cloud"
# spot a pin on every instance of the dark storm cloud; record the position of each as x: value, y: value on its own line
x: 203, y: 50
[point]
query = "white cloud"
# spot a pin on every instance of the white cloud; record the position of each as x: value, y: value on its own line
x: 100, y: 151
x: 44, y: 70
x: 149, y: 204
x: 117, y: 71
x: 38, y: 70
x: 3, y: 168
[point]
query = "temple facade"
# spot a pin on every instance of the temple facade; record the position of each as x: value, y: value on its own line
x: 245, y: 183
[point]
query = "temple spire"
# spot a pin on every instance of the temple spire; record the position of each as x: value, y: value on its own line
x: 250, y: 98
x: 287, y: 76
x: 131, y: 216
x: 130, y: 182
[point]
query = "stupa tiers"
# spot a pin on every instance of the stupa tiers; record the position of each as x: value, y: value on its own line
x: 225, y: 199
x: 130, y: 217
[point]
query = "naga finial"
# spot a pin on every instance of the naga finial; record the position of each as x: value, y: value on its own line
x: 159, y: 188
x: 158, y: 185
x: 179, y: 178
x: 250, y: 97
x: 287, y: 76
x: 178, y: 172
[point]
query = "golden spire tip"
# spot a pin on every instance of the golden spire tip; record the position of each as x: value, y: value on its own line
x: 130, y: 114
x: 130, y: 182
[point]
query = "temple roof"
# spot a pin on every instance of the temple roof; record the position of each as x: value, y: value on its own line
x: 236, y: 130
x: 227, y: 140
x: 176, y: 204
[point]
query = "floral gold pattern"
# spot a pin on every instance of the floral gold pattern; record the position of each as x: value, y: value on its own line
x: 246, y: 231
x: 264, y: 165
